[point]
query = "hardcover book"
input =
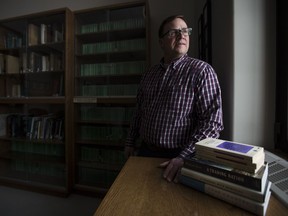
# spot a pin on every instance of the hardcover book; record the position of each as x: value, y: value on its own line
x: 12, y: 64
x: 33, y: 34
x: 258, y: 208
x: 258, y: 196
x: 255, y: 181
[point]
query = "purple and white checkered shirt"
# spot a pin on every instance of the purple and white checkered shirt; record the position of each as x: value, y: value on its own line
x: 177, y: 106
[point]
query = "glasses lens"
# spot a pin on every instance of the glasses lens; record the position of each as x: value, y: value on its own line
x: 186, y: 31
x: 173, y: 32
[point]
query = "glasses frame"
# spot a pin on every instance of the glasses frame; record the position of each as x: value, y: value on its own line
x: 177, y: 32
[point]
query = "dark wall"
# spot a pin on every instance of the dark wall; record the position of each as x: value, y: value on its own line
x: 281, y: 115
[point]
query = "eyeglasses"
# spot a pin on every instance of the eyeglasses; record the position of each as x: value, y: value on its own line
x: 175, y: 32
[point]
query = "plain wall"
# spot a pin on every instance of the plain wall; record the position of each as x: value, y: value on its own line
x: 223, y: 58
x: 254, y: 71
x: 243, y: 34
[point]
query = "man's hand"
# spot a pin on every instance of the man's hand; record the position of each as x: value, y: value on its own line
x: 172, y: 167
x: 129, y: 151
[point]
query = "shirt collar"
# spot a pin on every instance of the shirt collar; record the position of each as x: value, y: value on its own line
x: 174, y: 63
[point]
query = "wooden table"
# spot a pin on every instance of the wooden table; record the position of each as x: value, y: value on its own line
x: 140, y: 189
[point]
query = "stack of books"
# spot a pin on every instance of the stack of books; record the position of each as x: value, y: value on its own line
x: 230, y: 171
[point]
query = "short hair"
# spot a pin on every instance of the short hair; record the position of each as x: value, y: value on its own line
x: 168, y: 20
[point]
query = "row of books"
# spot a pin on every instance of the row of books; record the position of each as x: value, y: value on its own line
x: 96, y: 177
x: 91, y: 112
x: 48, y: 149
x: 32, y: 62
x: 45, y: 33
x: 36, y: 168
x: 36, y: 62
x: 39, y: 87
x: 114, y: 46
x: 37, y: 34
x: 102, y: 133
x: 10, y: 40
x: 44, y: 127
x: 113, y: 26
x: 117, y: 68
x: 215, y: 170
x: 102, y: 155
x: 109, y: 90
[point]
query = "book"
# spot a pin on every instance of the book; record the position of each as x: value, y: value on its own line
x: 12, y: 64
x: 33, y: 34
x: 257, y: 162
x: 242, y: 155
x: 3, y: 33
x: 3, y: 129
x: 2, y: 65
x: 251, y: 168
x: 255, y: 207
x: 229, y: 149
x: 226, y: 185
x: 255, y: 181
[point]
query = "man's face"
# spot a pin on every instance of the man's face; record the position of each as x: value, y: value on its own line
x: 176, y: 46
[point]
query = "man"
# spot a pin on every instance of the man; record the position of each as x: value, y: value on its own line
x: 178, y: 102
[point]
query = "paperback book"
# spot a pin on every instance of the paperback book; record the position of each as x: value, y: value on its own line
x: 242, y: 156
x: 251, y: 168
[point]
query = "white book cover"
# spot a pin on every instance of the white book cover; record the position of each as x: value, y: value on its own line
x: 230, y: 149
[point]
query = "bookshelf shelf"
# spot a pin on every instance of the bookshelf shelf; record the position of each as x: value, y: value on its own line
x: 117, y: 144
x: 113, y: 35
x: 32, y: 100
x: 113, y: 56
x: 106, y: 100
x: 45, y: 159
x: 36, y: 63
x: 103, y: 122
x: 110, y: 58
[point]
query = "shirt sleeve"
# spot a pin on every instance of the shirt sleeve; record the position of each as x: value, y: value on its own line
x: 133, y: 132
x: 208, y: 106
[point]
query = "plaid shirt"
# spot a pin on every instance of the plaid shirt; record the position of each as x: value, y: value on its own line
x: 177, y: 106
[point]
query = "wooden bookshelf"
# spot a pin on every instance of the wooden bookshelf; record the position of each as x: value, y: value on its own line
x: 111, y: 46
x: 83, y: 68
x: 36, y: 79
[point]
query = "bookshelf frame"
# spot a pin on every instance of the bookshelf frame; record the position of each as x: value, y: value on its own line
x: 26, y: 161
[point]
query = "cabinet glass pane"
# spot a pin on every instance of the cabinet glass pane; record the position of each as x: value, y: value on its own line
x: 32, y: 57
x: 32, y: 143
x: 110, y: 58
x: 33, y: 85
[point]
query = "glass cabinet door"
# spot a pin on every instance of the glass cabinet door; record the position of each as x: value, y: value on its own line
x: 33, y: 102
x: 110, y: 57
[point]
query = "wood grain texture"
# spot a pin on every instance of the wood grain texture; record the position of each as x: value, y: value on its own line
x: 140, y: 190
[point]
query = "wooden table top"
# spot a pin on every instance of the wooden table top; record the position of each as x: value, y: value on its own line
x: 140, y: 189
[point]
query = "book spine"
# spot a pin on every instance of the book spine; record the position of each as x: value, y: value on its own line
x: 231, y: 156
x: 237, y: 178
x: 225, y: 185
x: 229, y: 197
x: 251, y: 169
